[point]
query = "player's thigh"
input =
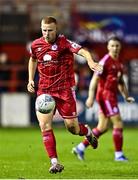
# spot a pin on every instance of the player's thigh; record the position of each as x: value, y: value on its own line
x: 117, y: 121
x: 71, y: 122
x: 103, y: 122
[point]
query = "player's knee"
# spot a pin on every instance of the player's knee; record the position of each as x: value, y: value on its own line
x: 72, y: 129
x: 104, y: 131
x: 44, y: 126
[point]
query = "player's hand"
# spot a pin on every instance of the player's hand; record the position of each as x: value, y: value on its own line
x: 96, y: 67
x: 31, y: 86
x: 89, y: 102
x: 130, y: 99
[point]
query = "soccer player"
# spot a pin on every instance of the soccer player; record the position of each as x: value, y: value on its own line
x: 52, y: 55
x: 107, y: 84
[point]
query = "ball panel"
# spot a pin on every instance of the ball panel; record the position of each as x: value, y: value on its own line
x: 45, y: 103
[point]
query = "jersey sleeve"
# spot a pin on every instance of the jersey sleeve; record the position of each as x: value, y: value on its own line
x: 32, y: 53
x: 102, y: 62
x: 74, y: 47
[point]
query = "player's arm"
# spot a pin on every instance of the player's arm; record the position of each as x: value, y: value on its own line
x: 92, y: 90
x: 93, y: 65
x: 32, y: 65
x: 124, y: 91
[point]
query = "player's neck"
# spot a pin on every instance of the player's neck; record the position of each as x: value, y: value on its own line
x: 114, y: 56
x: 51, y: 42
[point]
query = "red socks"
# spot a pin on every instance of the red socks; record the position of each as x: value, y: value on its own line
x: 96, y: 133
x: 50, y: 143
x: 83, y: 130
x: 118, y: 138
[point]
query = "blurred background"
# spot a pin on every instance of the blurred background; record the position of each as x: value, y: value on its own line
x: 89, y: 23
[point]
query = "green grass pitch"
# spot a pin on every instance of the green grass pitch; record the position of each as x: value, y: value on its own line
x: 22, y: 156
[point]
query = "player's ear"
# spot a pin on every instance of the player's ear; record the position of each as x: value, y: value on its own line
x: 120, y: 46
x: 108, y: 47
x: 57, y: 28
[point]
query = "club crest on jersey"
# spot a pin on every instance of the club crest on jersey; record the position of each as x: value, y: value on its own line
x: 47, y: 57
x: 54, y: 47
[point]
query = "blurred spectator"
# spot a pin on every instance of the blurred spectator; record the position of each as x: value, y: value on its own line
x: 4, y: 75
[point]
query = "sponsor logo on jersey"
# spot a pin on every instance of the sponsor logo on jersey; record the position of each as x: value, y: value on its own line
x: 47, y: 57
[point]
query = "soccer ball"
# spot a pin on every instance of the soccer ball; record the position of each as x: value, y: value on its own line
x: 45, y: 103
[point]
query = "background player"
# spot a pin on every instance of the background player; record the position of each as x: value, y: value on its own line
x: 52, y: 54
x: 108, y: 82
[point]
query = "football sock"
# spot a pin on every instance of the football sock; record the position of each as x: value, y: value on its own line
x: 118, y: 138
x: 118, y: 154
x: 96, y: 132
x: 84, y: 131
x: 54, y: 161
x: 85, y: 143
x: 50, y: 143
x: 81, y: 146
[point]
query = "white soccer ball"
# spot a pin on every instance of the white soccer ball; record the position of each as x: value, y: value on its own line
x: 45, y: 103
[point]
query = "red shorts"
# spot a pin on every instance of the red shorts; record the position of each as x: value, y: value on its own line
x: 65, y: 102
x: 108, y: 104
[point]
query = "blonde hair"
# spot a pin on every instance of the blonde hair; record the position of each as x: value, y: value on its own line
x: 49, y: 20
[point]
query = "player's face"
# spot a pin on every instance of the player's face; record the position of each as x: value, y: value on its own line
x: 49, y: 32
x: 114, y: 48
